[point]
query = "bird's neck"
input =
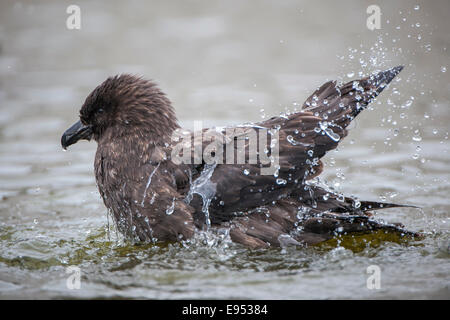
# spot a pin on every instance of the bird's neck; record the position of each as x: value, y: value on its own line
x: 135, y: 147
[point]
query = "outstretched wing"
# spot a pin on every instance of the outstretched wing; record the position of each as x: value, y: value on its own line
x: 303, y: 138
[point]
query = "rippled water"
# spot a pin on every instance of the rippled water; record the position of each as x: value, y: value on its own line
x: 222, y: 62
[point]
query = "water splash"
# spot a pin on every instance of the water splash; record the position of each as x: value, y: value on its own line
x: 285, y: 241
x: 148, y: 184
x: 330, y: 133
x: 292, y: 141
x: 205, y: 188
x: 171, y: 208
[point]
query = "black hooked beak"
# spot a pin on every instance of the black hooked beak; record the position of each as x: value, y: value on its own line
x: 76, y: 132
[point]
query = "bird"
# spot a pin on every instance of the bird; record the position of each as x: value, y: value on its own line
x: 154, y: 197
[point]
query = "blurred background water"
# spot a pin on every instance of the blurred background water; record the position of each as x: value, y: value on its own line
x: 222, y: 62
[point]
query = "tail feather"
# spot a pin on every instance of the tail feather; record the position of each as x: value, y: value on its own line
x: 373, y: 205
x: 321, y: 200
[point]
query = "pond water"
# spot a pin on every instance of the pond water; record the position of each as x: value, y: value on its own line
x: 222, y: 62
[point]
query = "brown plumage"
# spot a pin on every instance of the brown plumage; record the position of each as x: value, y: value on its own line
x: 154, y: 198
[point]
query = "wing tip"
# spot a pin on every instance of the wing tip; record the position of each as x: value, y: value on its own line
x: 383, y: 78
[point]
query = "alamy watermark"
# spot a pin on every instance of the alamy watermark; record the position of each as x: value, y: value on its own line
x: 73, y: 21
x: 374, y: 20
x: 73, y: 282
x: 374, y: 280
x: 249, y: 144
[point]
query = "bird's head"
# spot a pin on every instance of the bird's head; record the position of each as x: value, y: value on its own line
x: 121, y: 106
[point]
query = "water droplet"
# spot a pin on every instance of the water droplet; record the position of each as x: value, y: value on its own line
x: 416, y: 7
x: 290, y: 139
x: 332, y: 162
x: 330, y: 133
x: 302, y: 212
x: 281, y: 181
x: 350, y: 74
x: 443, y: 69
x: 262, y: 113
x: 171, y: 208
x: 246, y: 172
x: 204, y: 187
